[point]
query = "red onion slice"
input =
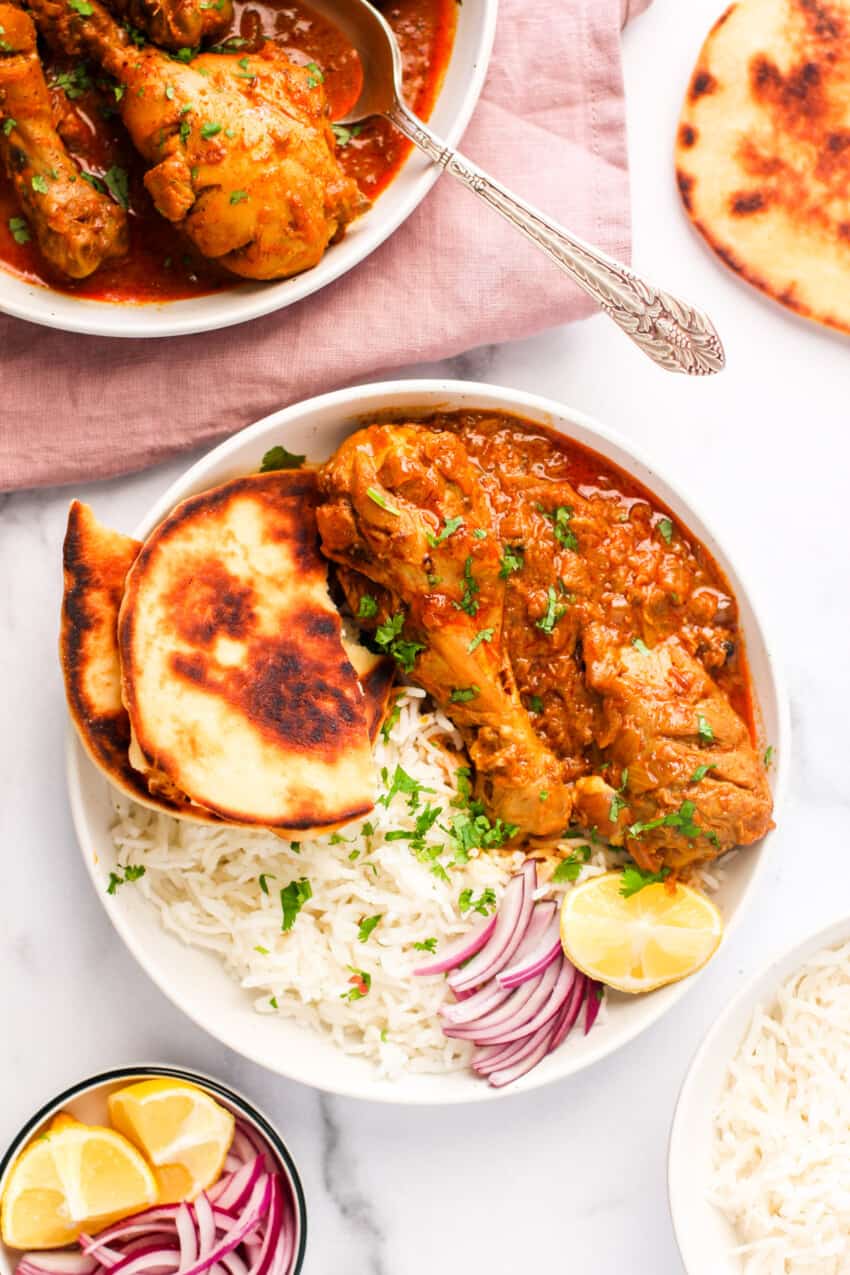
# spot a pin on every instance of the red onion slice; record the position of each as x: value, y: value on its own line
x: 513, y: 1010
x: 535, y: 960
x: 527, y: 1010
x: 572, y: 1009
x: 472, y: 1007
x: 559, y: 978
x: 462, y: 949
x: 262, y: 1261
x: 511, y: 925
x: 592, y: 1004
x: 150, y: 1259
x: 205, y: 1222
x: 187, y: 1236
x: 521, y: 1065
x: 57, y: 1264
x: 236, y: 1190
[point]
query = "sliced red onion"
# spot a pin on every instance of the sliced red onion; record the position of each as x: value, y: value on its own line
x: 65, y: 1263
x: 462, y: 949
x: 148, y: 1260
x: 262, y: 1261
x: 234, y: 1191
x: 187, y: 1236
x: 241, y: 1147
x: 258, y: 1144
x: 501, y: 1056
x: 505, y: 1009
x: 592, y: 1005
x: 541, y: 916
x: 513, y: 917
x: 205, y: 1222
x: 527, y: 1011
x: 477, y: 1003
x: 521, y: 1065
x: 160, y: 1218
x: 535, y: 961
x: 571, y: 1010
x: 234, y: 1265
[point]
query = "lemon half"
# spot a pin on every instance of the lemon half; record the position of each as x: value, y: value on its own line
x: 659, y: 935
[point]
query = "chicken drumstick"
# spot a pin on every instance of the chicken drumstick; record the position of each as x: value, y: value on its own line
x: 176, y: 24
x: 77, y: 227
x: 241, y: 149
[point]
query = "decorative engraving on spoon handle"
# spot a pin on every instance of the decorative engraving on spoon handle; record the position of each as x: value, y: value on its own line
x: 673, y: 333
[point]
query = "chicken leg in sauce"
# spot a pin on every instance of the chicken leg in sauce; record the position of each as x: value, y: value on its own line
x: 403, y: 506
x: 586, y: 648
x: 77, y: 227
x: 176, y: 24
x: 240, y: 148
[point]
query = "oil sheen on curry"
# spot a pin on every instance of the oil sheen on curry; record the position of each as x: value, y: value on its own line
x: 584, y: 643
x: 141, y: 160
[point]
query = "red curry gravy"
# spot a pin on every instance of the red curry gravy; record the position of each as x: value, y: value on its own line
x: 162, y: 265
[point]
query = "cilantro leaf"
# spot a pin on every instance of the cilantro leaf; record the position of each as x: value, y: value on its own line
x: 368, y: 607
x: 362, y: 983
x: 485, y: 904
x: 634, y: 879
x: 483, y: 635
x: 640, y: 645
x: 19, y: 230
x: 381, y: 501
x: 367, y: 925
x: 280, y: 458
x: 450, y: 526
x: 388, y: 636
x: 570, y: 867
x: 427, y: 945
x: 468, y: 603
x: 665, y: 530
x: 555, y: 611
x: 462, y: 695
x: 292, y: 899
x: 700, y: 773
x: 513, y: 559
x: 704, y: 729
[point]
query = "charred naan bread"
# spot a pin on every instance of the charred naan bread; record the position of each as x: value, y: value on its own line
x: 239, y: 690
x: 763, y: 151
x: 96, y: 561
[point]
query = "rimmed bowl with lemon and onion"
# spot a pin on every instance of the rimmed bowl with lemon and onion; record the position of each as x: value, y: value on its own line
x: 149, y: 1170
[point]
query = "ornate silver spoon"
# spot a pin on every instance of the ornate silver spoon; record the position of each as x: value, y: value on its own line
x: 672, y: 332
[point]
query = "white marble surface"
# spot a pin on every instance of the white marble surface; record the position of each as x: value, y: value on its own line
x: 572, y: 1178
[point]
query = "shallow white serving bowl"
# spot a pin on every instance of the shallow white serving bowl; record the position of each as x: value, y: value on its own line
x: 476, y: 25
x: 87, y: 1101
x: 704, y: 1236
x: 194, y: 980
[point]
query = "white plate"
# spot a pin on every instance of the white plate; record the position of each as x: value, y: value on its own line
x: 464, y: 79
x: 194, y: 980
x: 704, y: 1236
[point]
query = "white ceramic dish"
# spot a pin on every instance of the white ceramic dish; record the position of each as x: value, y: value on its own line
x: 476, y: 25
x: 86, y: 1100
x: 194, y: 980
x: 704, y: 1236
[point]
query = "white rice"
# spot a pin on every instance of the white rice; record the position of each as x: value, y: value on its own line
x: 782, y: 1128
x: 205, y: 883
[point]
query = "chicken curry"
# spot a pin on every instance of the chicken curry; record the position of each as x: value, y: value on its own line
x: 584, y: 643
x: 169, y: 207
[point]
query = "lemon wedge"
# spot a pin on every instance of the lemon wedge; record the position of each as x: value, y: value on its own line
x: 72, y: 1178
x: 184, y: 1133
x: 659, y: 935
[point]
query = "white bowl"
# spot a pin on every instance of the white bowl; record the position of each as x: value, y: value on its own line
x: 464, y: 79
x: 704, y: 1236
x: 87, y: 1101
x: 194, y: 980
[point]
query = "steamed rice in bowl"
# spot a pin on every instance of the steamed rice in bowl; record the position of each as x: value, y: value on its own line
x: 218, y: 888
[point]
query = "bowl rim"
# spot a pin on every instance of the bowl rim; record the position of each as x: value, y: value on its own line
x: 179, y: 318
x: 203, y: 1081
x: 761, y: 986
x: 519, y: 402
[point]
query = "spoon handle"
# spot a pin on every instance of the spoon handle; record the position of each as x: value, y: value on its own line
x: 673, y: 333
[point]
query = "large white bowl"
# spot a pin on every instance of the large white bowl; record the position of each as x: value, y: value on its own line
x: 476, y: 25
x: 704, y: 1236
x: 194, y: 980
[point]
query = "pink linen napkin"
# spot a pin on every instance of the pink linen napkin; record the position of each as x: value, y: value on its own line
x: 550, y: 124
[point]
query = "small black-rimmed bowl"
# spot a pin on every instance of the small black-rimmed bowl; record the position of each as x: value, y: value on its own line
x: 87, y: 1101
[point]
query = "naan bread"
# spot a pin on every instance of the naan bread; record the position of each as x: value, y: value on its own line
x: 763, y: 151
x: 96, y: 561
x: 239, y: 690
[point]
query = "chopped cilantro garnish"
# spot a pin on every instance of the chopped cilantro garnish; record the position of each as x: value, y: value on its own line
x: 381, y: 501
x: 368, y: 607
x: 570, y: 867
x: 264, y: 878
x: 634, y: 879
x: 513, y: 559
x: 19, y: 229
x: 118, y: 185
x: 665, y: 530
x: 468, y: 602
x: 39, y: 184
x: 344, y: 133
x: 292, y: 899
x: 132, y: 872
x: 169, y: 92
x: 462, y: 695
x: 391, y: 719
x: 555, y: 611
x: 210, y: 129
x: 273, y: 1002
x: 367, y: 925
x: 315, y: 77
x: 700, y: 773
x: 768, y: 757
x: 427, y: 945
x: 485, y: 904
x: 535, y: 704
x: 238, y: 196
x: 279, y: 458
x: 258, y: 947
x: 74, y: 82
x: 404, y: 783
x: 483, y: 635
x: 8, y: 125
x: 388, y: 637
x: 682, y: 820
x: 640, y: 645
x: 560, y: 520
x: 704, y: 729
x: 82, y: 7
x: 450, y: 526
